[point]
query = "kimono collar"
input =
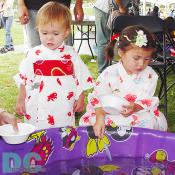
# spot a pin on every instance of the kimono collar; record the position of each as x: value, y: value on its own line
x: 60, y: 48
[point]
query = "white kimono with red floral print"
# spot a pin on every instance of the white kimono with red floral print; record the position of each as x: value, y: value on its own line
x: 54, y: 79
x: 138, y: 88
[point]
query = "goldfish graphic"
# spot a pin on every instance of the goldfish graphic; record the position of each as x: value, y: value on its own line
x: 69, y: 136
x: 44, y: 148
x: 158, y: 156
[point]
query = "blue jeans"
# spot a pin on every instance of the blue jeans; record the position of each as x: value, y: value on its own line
x: 102, y: 36
x: 7, y: 22
x: 32, y: 34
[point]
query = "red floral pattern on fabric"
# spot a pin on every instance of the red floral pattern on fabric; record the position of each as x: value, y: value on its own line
x: 89, y: 79
x: 135, y: 120
x: 37, y: 52
x: 109, y: 122
x: 61, y: 49
x: 23, y: 77
x: 130, y: 97
x: 51, y: 120
x: 94, y: 101
x: 156, y: 112
x: 86, y: 119
x: 146, y: 102
x: 52, y: 97
x: 59, y: 82
x: 69, y: 114
x: 67, y: 57
x: 97, y: 83
x: 41, y: 86
x: 27, y: 116
x: 70, y: 95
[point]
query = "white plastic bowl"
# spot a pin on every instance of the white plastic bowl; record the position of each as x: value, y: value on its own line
x: 113, y: 104
x: 11, y: 137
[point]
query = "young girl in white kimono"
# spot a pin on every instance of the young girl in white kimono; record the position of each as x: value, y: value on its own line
x: 52, y: 77
x: 132, y: 79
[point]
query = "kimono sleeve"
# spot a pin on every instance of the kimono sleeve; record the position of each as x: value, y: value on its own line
x: 25, y: 76
x: 148, y: 100
x: 101, y: 88
x: 82, y: 75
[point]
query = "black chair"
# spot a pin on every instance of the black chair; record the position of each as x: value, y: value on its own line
x: 156, y: 26
x: 169, y: 28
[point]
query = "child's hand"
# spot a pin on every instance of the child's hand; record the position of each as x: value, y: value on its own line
x: 20, y: 106
x: 130, y: 109
x: 127, y: 110
x: 99, y: 126
x: 7, y: 118
x: 79, y: 104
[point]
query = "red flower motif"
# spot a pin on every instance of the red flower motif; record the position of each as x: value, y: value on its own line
x: 69, y: 114
x: 115, y: 36
x: 70, y: 95
x: 131, y: 98
x: 97, y: 83
x: 50, y: 120
x: 146, y: 102
x: 61, y: 49
x: 86, y: 119
x: 94, y: 101
x: 23, y: 77
x: 67, y: 57
x: 52, y: 96
x: 59, y: 82
x: 135, y: 120
x: 41, y: 86
x: 37, y: 52
x: 28, y: 117
x: 156, y: 112
x: 109, y: 122
x: 90, y: 79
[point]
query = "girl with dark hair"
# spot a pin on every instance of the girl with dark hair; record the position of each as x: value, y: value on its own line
x: 130, y: 79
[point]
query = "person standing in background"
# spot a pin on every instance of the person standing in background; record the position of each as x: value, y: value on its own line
x: 101, y: 9
x: 7, y: 19
x: 155, y: 12
x: 28, y: 9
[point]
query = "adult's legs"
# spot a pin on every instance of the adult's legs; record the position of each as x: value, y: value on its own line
x: 102, y: 36
x: 32, y: 34
x: 8, y: 37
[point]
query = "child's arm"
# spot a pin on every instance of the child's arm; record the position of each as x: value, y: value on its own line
x: 78, y: 11
x: 99, y: 126
x: 79, y: 104
x: 122, y: 9
x: 20, y: 105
